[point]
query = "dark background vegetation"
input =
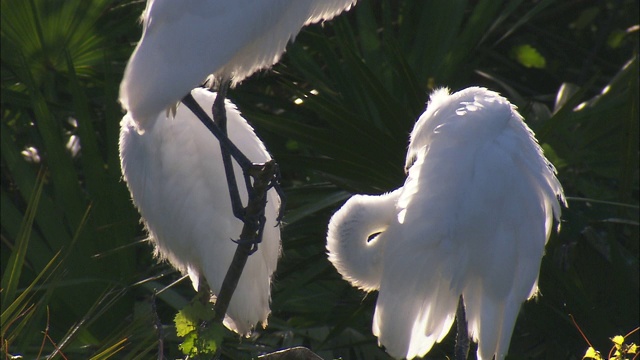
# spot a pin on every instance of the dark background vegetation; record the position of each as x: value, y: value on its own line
x: 77, y: 275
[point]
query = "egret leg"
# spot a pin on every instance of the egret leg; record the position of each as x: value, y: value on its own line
x: 258, y: 218
x: 461, y: 351
x: 263, y: 176
x: 220, y: 118
x: 237, y: 155
x: 252, y: 215
x: 281, y: 194
x: 229, y: 150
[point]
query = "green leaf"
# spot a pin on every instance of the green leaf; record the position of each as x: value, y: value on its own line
x: 184, y: 323
x: 529, y: 56
x: 592, y: 354
x: 188, y: 345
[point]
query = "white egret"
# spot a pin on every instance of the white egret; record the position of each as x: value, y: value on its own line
x: 175, y: 175
x: 185, y: 41
x: 472, y: 219
x: 175, y: 172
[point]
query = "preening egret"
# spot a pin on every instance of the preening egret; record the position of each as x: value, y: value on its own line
x: 472, y: 219
x: 185, y: 41
x: 176, y: 178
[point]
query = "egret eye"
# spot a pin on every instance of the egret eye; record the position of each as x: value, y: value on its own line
x: 373, y: 237
x: 409, y: 164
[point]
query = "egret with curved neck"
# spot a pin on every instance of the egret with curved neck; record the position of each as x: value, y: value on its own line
x: 472, y: 219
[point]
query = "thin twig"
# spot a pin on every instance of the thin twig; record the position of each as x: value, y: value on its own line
x: 158, y: 325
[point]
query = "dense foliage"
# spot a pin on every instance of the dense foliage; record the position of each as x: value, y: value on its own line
x: 78, y: 279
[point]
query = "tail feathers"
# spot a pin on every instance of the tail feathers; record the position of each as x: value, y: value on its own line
x: 250, y: 302
x: 491, y: 323
x: 409, y: 324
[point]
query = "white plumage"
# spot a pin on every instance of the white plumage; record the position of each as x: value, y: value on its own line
x: 185, y: 41
x: 472, y: 218
x: 176, y: 178
x: 172, y: 163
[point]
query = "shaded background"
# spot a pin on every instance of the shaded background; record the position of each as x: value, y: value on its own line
x: 77, y: 273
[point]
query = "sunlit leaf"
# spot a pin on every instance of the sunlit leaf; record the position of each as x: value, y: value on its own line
x: 529, y: 57
x: 592, y: 354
